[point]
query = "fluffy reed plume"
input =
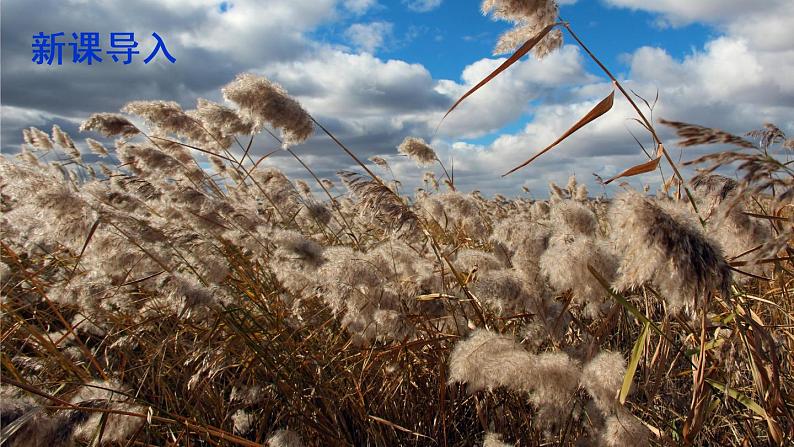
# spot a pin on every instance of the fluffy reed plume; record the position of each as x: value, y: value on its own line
x: 486, y: 360
x: 218, y: 120
x: 418, y: 151
x: 379, y: 161
x: 554, y: 381
x: 480, y: 260
x: 566, y: 264
x: 379, y: 200
x: 63, y: 140
x: 243, y: 422
x: 625, y: 430
x: 769, y: 135
x: 38, y: 139
x: 494, y: 440
x: 602, y: 377
x: 298, y: 259
x: 693, y: 135
x: 571, y: 249
x: 96, y: 147
x: 117, y: 428
x: 304, y: 188
x: 739, y: 235
x: 455, y: 212
x: 530, y: 18
x: 109, y: 125
x: 264, y: 102
x: 571, y: 217
x: 284, y: 438
x: 163, y: 116
x: 505, y: 291
x: 428, y: 178
x: 666, y: 247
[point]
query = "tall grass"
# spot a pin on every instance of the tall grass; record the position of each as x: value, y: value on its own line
x: 188, y: 296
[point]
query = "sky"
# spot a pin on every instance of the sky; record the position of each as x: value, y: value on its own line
x: 376, y: 71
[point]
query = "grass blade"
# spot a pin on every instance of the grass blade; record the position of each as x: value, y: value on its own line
x: 739, y: 397
x: 631, y: 369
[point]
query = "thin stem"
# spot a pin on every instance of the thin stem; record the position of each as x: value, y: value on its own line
x: 351, y: 154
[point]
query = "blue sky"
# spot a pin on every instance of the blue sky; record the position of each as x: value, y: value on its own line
x: 377, y: 71
x: 455, y: 34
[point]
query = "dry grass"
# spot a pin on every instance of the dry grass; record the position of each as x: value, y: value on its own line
x: 161, y: 302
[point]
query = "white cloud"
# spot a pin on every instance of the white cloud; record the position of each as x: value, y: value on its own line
x: 422, y: 5
x: 369, y: 36
x: 255, y: 29
x: 737, y: 81
x: 359, y: 6
x: 725, y: 85
x: 506, y: 98
x: 367, y: 93
x: 680, y: 12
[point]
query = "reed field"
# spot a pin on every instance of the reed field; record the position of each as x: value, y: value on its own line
x: 181, y: 293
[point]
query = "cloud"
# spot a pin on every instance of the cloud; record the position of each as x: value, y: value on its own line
x: 359, y: 6
x: 724, y: 85
x: 370, y: 36
x: 737, y: 81
x: 422, y: 5
x: 507, y: 97
x: 681, y: 12
x: 225, y: 43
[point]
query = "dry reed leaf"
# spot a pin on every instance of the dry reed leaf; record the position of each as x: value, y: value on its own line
x: 601, y: 108
x: 435, y: 296
x: 642, y: 168
x: 524, y: 49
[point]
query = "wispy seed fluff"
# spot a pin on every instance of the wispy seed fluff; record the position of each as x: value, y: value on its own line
x: 109, y: 124
x: 504, y: 291
x: 573, y: 248
x: 554, y: 380
x: 263, y: 101
x: 166, y: 116
x: 96, y: 147
x: 380, y: 161
x: 530, y: 18
x: 218, y: 118
x: 664, y: 245
x: 494, y: 440
x: 418, y: 150
x: 624, y: 430
x: 38, y: 139
x: 284, y: 438
x: 63, y: 140
x: 118, y: 428
x: 738, y: 234
x: 566, y: 266
x: 488, y: 360
x: 602, y: 377
x: 243, y: 422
